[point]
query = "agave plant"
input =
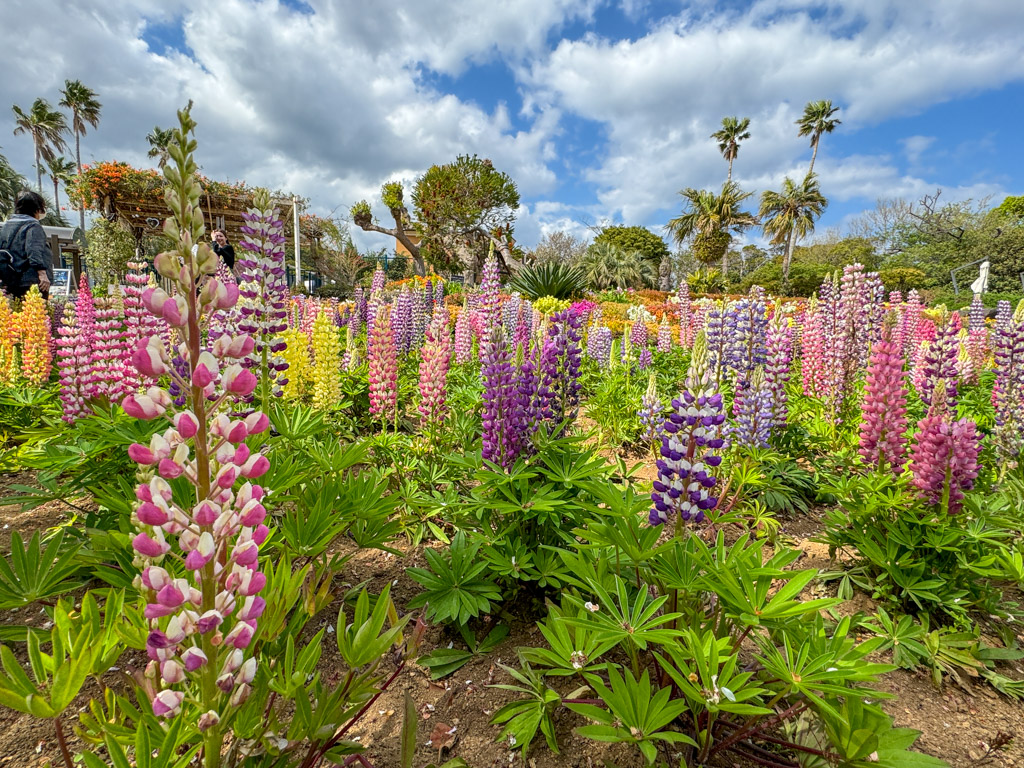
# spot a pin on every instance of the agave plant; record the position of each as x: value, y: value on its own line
x: 552, y: 279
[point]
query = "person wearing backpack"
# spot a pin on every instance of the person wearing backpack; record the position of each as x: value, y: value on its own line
x: 25, y: 258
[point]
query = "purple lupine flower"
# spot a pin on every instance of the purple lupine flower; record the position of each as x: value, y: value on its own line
x: 721, y: 330
x: 360, y: 302
x: 688, y: 459
x: 428, y: 300
x: 490, y: 285
x: 752, y: 412
x: 1008, y: 391
x: 401, y: 321
x: 940, y: 363
x: 439, y: 293
x: 560, y: 369
x: 463, y: 336
x: 685, y: 316
x: 419, y: 319
x: 510, y: 314
x: 645, y: 359
x: 521, y: 335
x: 664, y: 336
x: 263, y: 290
x: 779, y: 354
x: 747, y: 345
x: 652, y: 412
x: 599, y: 344
x: 528, y: 412
x: 500, y: 441
x: 976, y: 314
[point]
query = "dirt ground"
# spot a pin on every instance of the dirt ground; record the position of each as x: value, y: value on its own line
x: 957, y: 725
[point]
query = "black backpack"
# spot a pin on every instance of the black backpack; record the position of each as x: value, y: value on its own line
x: 10, y: 280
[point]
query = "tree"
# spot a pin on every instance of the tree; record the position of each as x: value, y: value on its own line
x: 733, y: 131
x: 159, y: 140
x: 11, y: 183
x: 816, y: 120
x: 460, y: 208
x: 85, y: 109
x: 47, y: 127
x: 885, y: 225
x: 605, y: 265
x: 711, y: 220
x: 558, y: 247
x: 1012, y: 208
x: 59, y: 169
x: 790, y: 214
x: 651, y: 248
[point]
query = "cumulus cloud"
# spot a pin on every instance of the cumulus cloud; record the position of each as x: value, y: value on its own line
x: 330, y: 98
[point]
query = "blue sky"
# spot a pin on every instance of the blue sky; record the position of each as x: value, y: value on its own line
x: 601, y: 110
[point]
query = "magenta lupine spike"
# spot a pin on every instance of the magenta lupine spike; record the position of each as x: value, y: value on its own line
x: 85, y: 319
x: 1008, y: 390
x: 884, y: 410
x: 463, y: 336
x: 812, y: 369
x: 264, y: 291
x: 201, y: 622
x: 909, y: 325
x: 685, y: 310
x: 490, y: 300
x: 500, y: 441
x: 72, y: 356
x: 939, y: 362
x: 435, y: 357
x: 383, y: 374
x: 109, y: 352
x: 521, y: 336
x: 779, y: 346
x: 664, y: 336
x: 139, y: 324
x: 689, y: 446
x: 944, y: 456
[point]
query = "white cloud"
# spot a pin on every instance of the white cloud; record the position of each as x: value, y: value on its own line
x: 915, y: 146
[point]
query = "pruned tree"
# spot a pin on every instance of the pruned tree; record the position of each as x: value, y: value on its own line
x: 558, y: 247
x: 459, y: 210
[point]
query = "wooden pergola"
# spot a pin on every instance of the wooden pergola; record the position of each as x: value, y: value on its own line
x: 145, y: 216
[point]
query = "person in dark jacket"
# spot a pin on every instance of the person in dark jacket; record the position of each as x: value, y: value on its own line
x: 223, y: 248
x: 23, y: 238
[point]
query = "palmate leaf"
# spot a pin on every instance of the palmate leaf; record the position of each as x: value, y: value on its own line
x: 455, y: 589
x: 35, y: 573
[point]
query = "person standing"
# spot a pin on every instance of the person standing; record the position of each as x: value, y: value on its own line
x: 25, y: 258
x: 223, y: 248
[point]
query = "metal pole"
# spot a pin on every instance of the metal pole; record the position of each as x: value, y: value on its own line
x: 298, y: 248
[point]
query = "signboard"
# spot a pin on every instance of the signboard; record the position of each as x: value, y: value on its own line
x: 61, y: 285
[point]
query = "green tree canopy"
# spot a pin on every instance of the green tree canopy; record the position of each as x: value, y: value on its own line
x: 641, y: 240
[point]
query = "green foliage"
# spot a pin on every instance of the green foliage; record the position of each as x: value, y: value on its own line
x: 457, y: 589
x: 804, y: 278
x: 461, y: 205
x: 35, y: 573
x: 557, y: 279
x: 445, y: 661
x: 636, y: 239
x: 110, y: 248
x: 902, y: 278
x: 706, y: 281
x: 605, y: 266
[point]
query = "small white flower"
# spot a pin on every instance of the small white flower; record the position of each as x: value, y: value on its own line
x: 592, y: 607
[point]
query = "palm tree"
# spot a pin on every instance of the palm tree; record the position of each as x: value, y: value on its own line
x: 711, y: 219
x: 790, y: 214
x: 605, y: 265
x: 47, y: 127
x: 816, y: 120
x: 59, y: 170
x: 159, y: 140
x: 732, y: 132
x: 11, y: 183
x: 85, y: 109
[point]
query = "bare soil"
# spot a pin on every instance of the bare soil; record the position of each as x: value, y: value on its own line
x: 957, y: 724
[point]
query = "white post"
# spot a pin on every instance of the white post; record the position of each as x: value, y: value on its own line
x: 298, y: 249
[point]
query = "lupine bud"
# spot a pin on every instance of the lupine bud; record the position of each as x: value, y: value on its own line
x: 167, y: 703
x: 207, y: 720
x: 147, y: 546
x: 209, y: 621
x: 238, y: 381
